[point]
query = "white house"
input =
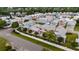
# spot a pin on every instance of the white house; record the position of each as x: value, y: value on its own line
x: 28, y: 24
x: 61, y: 32
x: 42, y: 20
x: 70, y: 26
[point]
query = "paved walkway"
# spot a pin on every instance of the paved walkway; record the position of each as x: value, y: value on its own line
x: 52, y: 44
x: 18, y: 43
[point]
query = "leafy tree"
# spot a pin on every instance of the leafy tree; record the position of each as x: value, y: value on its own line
x: 15, y: 25
x: 25, y: 30
x: 2, y: 23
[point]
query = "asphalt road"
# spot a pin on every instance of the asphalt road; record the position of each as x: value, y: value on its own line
x: 18, y: 43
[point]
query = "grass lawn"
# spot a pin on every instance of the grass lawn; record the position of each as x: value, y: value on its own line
x: 3, y: 44
x: 52, y: 48
x: 70, y: 38
x: 77, y: 27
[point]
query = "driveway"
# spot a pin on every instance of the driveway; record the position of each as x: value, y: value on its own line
x: 18, y: 43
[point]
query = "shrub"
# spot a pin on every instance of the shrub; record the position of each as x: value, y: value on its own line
x: 24, y: 30
x: 12, y: 49
x: 77, y: 21
x: 26, y: 20
x: 19, y: 29
x: 74, y: 44
x: 30, y: 31
x: 44, y: 34
x: 60, y: 39
x: 36, y: 33
x: 8, y: 48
